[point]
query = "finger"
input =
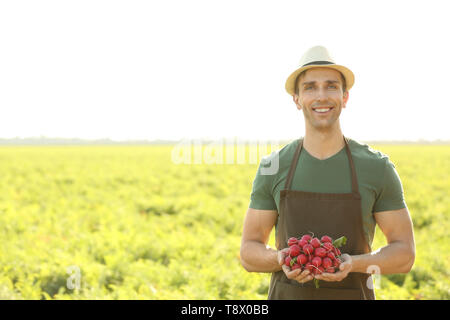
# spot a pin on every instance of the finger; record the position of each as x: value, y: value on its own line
x: 290, y: 274
x: 328, y: 276
x: 347, y: 261
x: 337, y: 276
x: 282, y: 255
x: 304, y: 276
x: 281, y: 259
x: 304, y: 279
x: 344, y: 266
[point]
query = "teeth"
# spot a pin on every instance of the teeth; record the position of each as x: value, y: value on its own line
x: 322, y: 110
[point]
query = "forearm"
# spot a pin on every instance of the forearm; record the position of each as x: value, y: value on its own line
x: 396, y: 257
x: 256, y: 257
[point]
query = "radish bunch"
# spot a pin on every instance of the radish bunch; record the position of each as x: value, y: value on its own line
x: 317, y: 256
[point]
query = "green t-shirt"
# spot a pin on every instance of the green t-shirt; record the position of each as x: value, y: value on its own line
x: 378, y: 181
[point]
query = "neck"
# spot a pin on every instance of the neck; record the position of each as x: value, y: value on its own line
x: 323, y: 144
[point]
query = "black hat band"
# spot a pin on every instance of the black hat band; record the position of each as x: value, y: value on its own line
x: 318, y: 62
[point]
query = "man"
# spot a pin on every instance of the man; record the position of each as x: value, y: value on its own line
x: 326, y: 184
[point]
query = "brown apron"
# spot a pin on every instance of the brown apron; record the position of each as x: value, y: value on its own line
x: 332, y: 214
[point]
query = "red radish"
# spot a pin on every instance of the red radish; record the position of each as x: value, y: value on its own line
x: 317, y: 256
x: 320, y: 252
x: 306, y: 237
x: 335, y: 251
x: 317, y: 261
x: 294, y: 250
x: 292, y: 241
x: 296, y: 266
x: 309, y: 266
x: 302, y: 242
x: 327, y: 263
x: 318, y: 270
x: 287, y: 261
x: 337, y: 262
x: 302, y: 259
x: 315, y: 242
x: 308, y: 249
x: 327, y: 246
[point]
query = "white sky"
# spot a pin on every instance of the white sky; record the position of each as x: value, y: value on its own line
x: 214, y: 69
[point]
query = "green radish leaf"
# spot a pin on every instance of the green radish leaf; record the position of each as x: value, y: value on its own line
x: 340, y: 242
x: 293, y: 261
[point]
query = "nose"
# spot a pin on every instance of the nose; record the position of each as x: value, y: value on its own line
x: 321, y: 95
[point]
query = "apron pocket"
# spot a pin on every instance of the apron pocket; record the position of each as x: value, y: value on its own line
x: 288, y: 291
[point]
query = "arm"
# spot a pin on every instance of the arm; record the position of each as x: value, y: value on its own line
x: 256, y: 256
x: 399, y: 254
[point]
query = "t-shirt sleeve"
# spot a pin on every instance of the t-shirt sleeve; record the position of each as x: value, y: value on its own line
x: 261, y: 197
x: 391, y: 196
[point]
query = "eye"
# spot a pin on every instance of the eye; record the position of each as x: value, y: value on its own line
x: 308, y: 87
x: 332, y: 87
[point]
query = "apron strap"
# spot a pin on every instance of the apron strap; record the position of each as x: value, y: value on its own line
x: 355, y: 189
x: 294, y: 162
x: 287, y: 185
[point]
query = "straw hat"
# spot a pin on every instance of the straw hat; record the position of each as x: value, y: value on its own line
x: 318, y: 56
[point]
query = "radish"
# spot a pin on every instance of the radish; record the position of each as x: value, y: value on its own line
x: 294, y: 250
x: 306, y: 237
x: 309, y: 266
x: 302, y: 259
x: 327, y: 263
x: 308, y: 249
x: 316, y: 256
x: 326, y: 239
x: 292, y: 241
x: 317, y: 261
x: 320, y: 252
x: 302, y: 243
x: 315, y: 242
x: 327, y: 246
x: 296, y: 266
x: 287, y: 261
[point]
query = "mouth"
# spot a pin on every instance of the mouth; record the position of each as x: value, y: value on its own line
x: 323, y: 110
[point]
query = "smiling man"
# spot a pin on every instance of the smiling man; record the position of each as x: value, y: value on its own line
x: 327, y: 184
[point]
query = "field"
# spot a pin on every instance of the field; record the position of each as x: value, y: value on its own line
x: 126, y: 222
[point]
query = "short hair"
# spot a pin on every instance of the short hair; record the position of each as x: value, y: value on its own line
x: 344, y: 85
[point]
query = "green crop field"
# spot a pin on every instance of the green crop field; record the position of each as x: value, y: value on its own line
x: 126, y: 222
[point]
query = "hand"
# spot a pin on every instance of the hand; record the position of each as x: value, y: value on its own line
x: 344, y: 269
x: 296, y: 274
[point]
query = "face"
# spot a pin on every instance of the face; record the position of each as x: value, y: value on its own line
x: 321, y: 88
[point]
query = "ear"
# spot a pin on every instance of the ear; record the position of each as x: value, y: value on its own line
x: 345, y: 98
x: 295, y: 97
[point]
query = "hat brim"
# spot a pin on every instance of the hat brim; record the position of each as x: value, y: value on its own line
x: 347, y: 73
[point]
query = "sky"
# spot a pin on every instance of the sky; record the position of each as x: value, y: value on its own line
x: 216, y: 69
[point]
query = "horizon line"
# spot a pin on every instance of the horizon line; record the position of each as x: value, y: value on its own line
x: 44, y: 140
